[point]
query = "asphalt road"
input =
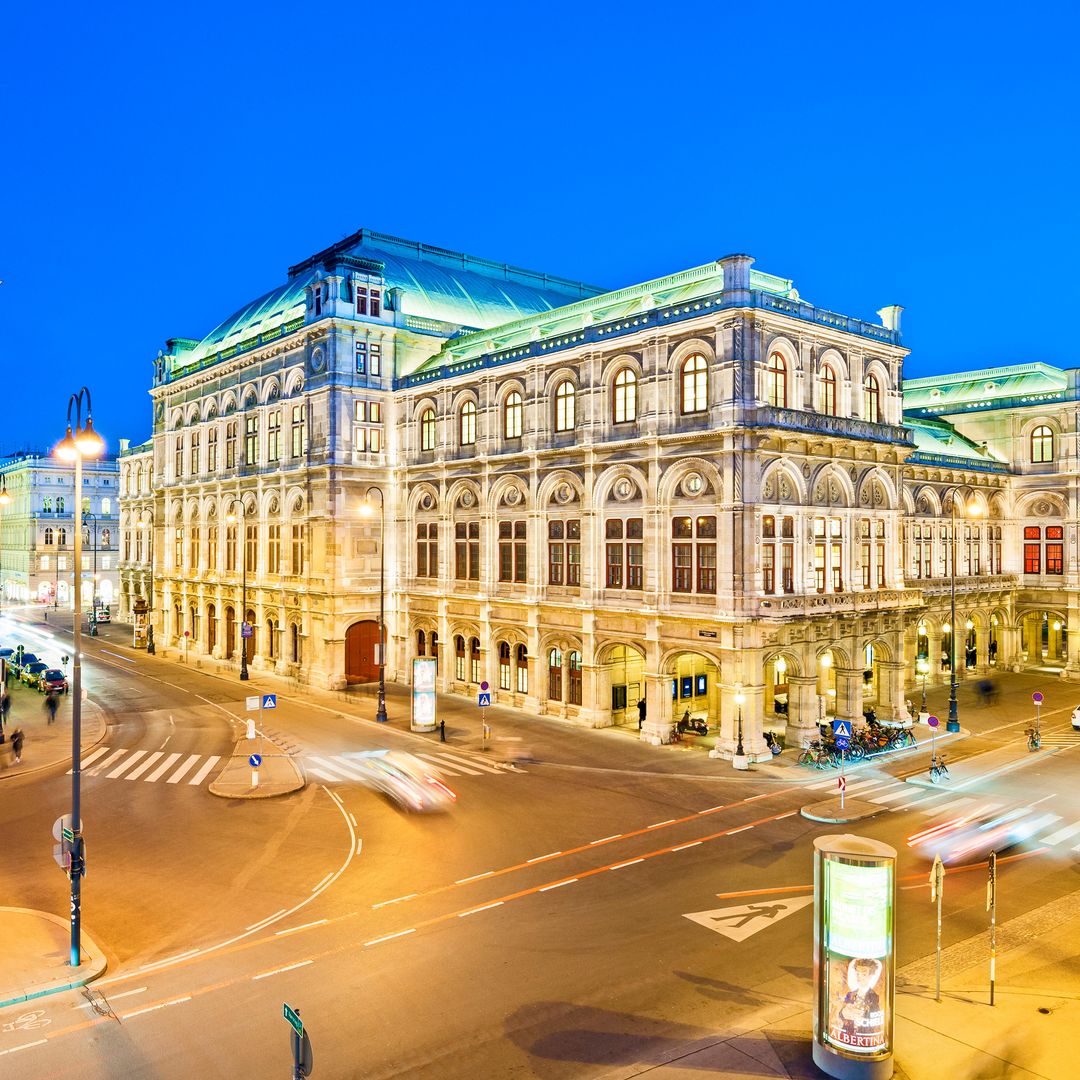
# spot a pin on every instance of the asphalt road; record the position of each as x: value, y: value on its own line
x: 538, y: 930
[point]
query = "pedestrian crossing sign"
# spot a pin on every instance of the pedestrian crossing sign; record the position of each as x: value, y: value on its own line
x: 841, y: 728
x: 269, y: 701
x: 484, y: 699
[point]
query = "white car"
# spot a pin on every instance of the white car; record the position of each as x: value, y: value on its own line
x: 1076, y: 718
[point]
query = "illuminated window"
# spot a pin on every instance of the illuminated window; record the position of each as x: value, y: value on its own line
x: 273, y: 437
x: 467, y: 424
x: 694, y: 385
x: 828, y: 390
x: 871, y: 399
x: 575, y: 678
x: 512, y: 416
x: 251, y: 440
x: 565, y: 396
x: 776, y: 381
x: 299, y: 431
x: 625, y: 403
x: 554, y: 675
x: 522, y: 657
x: 427, y: 429
x: 1042, y: 445
x: 504, y: 665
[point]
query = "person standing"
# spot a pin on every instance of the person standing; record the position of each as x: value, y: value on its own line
x: 17, y: 744
x: 640, y: 713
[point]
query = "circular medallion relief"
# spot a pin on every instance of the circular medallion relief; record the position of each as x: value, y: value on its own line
x: 466, y: 498
x: 564, y: 493
x: 625, y: 489
x: 692, y: 484
x: 318, y: 361
x: 426, y: 501
x: 512, y: 497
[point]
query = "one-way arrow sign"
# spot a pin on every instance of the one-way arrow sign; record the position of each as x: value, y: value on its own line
x: 739, y: 923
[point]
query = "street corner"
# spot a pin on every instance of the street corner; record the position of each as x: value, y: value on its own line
x: 257, y: 775
x: 35, y: 956
x: 833, y: 812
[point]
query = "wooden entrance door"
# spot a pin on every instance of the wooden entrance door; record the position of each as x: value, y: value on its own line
x: 362, y: 652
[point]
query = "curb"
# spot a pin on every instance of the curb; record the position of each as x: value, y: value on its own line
x: 238, y: 765
x: 830, y: 813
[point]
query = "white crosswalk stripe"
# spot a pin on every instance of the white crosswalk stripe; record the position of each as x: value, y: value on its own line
x: 450, y: 765
x: 337, y: 768
x: 1061, y: 834
x: 128, y: 764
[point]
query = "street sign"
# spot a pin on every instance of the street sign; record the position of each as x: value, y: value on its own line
x: 483, y: 700
x: 842, y: 728
x: 484, y: 685
x: 255, y: 760
x: 843, y: 742
x: 1037, y: 698
x: 246, y: 629
x: 251, y: 703
x: 269, y: 701
x: 932, y: 721
x: 187, y: 633
x: 937, y: 875
x: 842, y: 783
x: 68, y: 835
x: 294, y: 1019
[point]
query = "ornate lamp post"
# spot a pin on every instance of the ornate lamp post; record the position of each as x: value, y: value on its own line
x: 740, y: 697
x: 84, y: 442
x: 242, y: 539
x: 922, y: 666
x: 367, y: 509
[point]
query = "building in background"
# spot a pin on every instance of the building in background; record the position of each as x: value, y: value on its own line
x: 136, y: 525
x: 702, y: 492
x: 38, y: 543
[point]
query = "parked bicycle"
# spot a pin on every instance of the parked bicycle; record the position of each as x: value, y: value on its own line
x: 938, y: 769
x: 1034, y: 738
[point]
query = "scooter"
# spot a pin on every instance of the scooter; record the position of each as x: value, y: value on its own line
x: 692, y: 724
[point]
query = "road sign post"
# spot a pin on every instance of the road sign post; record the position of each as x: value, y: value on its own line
x: 484, y: 700
x: 1037, y: 738
x: 991, y: 906
x: 937, y: 886
x: 932, y: 723
x: 842, y: 737
x: 301, y: 1044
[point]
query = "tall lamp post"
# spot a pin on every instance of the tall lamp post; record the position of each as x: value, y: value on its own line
x: 5, y: 500
x: 84, y: 442
x: 953, y: 723
x: 922, y: 666
x: 242, y: 540
x: 367, y: 509
x: 740, y: 697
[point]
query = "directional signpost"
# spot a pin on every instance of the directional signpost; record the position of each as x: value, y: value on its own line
x: 301, y: 1044
x: 484, y: 700
x: 1036, y: 738
x: 842, y: 736
x: 251, y: 703
x: 932, y: 722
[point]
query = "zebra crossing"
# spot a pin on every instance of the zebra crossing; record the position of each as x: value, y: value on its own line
x: 896, y: 795
x: 338, y: 768
x: 125, y: 763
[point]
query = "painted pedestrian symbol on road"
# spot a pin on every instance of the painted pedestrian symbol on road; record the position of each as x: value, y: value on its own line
x: 483, y: 699
x: 739, y: 923
x: 269, y: 701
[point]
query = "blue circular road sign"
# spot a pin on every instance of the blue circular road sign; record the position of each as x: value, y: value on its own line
x: 1037, y: 698
x: 933, y: 721
x: 255, y: 760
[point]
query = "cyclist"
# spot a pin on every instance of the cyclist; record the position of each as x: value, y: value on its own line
x: 938, y: 768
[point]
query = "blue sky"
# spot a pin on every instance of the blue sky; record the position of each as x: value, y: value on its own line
x: 163, y: 165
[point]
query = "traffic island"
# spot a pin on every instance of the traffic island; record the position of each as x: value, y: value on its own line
x: 257, y: 775
x: 831, y: 813
x: 35, y: 956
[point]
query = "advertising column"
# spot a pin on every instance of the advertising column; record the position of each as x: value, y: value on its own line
x: 423, y: 694
x: 854, y: 902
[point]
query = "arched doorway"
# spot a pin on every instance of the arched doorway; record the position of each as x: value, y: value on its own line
x: 1044, y: 639
x: 211, y: 628
x: 362, y: 652
x: 622, y: 683
x: 230, y: 632
x: 695, y: 688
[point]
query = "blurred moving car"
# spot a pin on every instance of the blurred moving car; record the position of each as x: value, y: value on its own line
x: 1076, y: 718
x: 102, y: 614
x: 986, y: 828
x: 53, y: 679
x: 407, y: 780
x: 31, y: 673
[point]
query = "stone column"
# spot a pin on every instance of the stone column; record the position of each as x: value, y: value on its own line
x: 892, y: 704
x: 849, y: 687
x: 1010, y: 654
x: 657, y: 726
x: 802, y: 721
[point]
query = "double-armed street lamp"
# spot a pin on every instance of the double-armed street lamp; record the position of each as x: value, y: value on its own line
x: 82, y: 443
x: 367, y: 509
x: 232, y: 519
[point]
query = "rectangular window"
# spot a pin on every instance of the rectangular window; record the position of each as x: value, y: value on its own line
x: 44, y: 562
x: 1032, y: 558
x: 251, y: 548
x: 556, y: 552
x: 211, y: 450
x: 787, y: 568
x: 373, y: 440
x: 573, y: 553
x: 1055, y: 558
x: 299, y: 431
x: 467, y: 551
x: 193, y: 460
x: 459, y: 660
x: 251, y: 440
x: 212, y: 548
x: 881, y: 566
x: 375, y: 359
x: 614, y: 563
x: 421, y: 551
x: 297, y: 550
x: 273, y: 437
x: 768, y: 527
x: 230, y: 446
x: 682, y: 567
x: 368, y: 301
x: 706, y: 565
x: 635, y: 566
x: 273, y: 549
x: 837, y: 568
x: 193, y: 548
x: 1032, y: 532
x: 512, y: 551
x: 178, y: 548
x: 178, y: 462
x: 230, y: 548
x: 768, y: 569
x: 361, y: 358
x: 819, y: 567
x: 867, y: 569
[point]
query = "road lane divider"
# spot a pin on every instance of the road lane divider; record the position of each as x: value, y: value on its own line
x: 154, y: 1008
x: 302, y: 926
x: 281, y: 970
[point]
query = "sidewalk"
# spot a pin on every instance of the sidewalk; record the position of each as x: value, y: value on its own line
x: 45, y: 744
x: 35, y: 956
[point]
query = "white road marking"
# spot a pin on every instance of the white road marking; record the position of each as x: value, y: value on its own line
x: 732, y: 832
x: 1061, y: 834
x: 154, y: 1008
x: 322, y: 774
x: 390, y: 937
x: 475, y: 877
x: 541, y: 858
x: 352, y: 818
x: 303, y: 926
x: 476, y: 911
x: 711, y: 810
x: 322, y: 883
x: 947, y: 807
x: 24, y: 1046
x: 891, y: 796
x: 396, y: 900
x: 127, y: 659
x: 91, y: 757
x: 136, y: 773
x: 162, y: 768
x: 278, y: 971
x: 660, y: 824
x: 200, y: 776
x: 125, y: 765
x: 169, y: 960
x: 683, y: 847
x: 336, y: 770
x: 102, y: 765
x: 559, y: 884
x: 629, y: 862
x: 263, y: 922
x: 183, y: 769
x: 461, y: 763
x: 605, y: 839
x: 359, y: 845
x: 790, y: 813
x: 453, y: 768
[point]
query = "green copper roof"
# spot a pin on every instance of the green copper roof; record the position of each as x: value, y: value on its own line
x: 941, y: 439
x: 993, y: 387
x: 447, y: 286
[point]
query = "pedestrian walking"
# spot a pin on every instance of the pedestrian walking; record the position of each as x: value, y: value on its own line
x: 17, y: 744
x: 52, y: 702
x: 5, y: 708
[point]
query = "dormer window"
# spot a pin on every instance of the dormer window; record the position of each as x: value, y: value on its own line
x: 316, y: 300
x: 368, y: 301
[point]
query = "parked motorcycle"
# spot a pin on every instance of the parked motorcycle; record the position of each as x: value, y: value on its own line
x: 692, y: 725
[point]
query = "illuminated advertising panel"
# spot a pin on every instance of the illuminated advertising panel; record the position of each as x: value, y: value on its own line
x: 423, y: 693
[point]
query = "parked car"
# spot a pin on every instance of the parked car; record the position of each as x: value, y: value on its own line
x: 53, y: 679
x: 31, y: 673
x: 103, y: 614
x: 18, y: 665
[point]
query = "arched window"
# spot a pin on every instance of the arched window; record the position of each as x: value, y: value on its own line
x: 522, y: 669
x: 193, y: 622
x: 504, y: 665
x: 871, y: 399
x: 694, y: 385
x: 271, y: 637
x: 512, y: 410
x: 564, y: 406
x: 467, y: 424
x: 459, y: 658
x: 60, y: 504
x: 575, y: 678
x: 294, y: 635
x: 828, y: 390
x: 435, y: 647
x: 421, y: 643
x: 427, y: 429
x: 554, y: 675
x: 61, y: 537
x: 106, y: 506
x: 776, y: 381
x: 1042, y: 445
x: 48, y: 536
x: 474, y: 659
x: 625, y: 403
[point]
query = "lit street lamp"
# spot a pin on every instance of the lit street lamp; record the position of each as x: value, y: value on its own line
x: 367, y: 509
x: 242, y: 540
x: 85, y: 442
x: 740, y: 697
